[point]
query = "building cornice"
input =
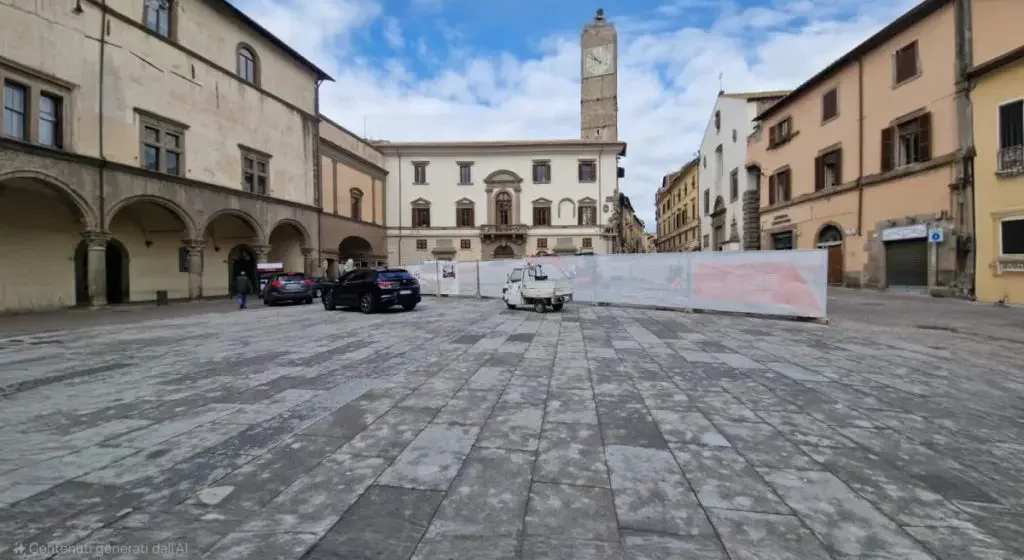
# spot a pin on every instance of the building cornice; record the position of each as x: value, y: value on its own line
x: 996, y: 63
x: 502, y: 147
x: 340, y: 154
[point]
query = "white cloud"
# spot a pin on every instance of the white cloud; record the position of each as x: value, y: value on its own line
x: 667, y: 83
x: 393, y: 33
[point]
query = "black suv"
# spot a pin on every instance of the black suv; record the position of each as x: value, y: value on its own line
x: 372, y: 289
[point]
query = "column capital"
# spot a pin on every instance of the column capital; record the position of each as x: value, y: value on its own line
x: 261, y: 250
x: 307, y: 251
x: 96, y: 239
x: 193, y: 246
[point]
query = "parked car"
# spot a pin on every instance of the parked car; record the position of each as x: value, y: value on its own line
x: 318, y: 285
x: 373, y: 289
x: 288, y: 287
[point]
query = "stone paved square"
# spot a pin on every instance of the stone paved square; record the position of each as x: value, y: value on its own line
x: 464, y: 430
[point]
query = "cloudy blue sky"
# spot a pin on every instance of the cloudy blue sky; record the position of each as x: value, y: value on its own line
x: 509, y: 69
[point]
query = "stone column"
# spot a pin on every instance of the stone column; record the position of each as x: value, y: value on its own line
x: 96, y: 266
x: 262, y: 252
x: 194, y: 253
x: 309, y: 261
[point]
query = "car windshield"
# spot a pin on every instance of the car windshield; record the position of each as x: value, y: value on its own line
x: 549, y: 272
x: 394, y: 275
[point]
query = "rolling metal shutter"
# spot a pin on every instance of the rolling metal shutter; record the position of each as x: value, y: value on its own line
x: 906, y: 263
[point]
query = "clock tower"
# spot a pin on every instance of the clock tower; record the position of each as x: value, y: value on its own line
x: 599, y: 88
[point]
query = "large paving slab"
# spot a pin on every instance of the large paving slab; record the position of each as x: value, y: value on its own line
x: 465, y: 430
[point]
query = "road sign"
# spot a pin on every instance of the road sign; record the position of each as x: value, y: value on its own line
x: 936, y: 235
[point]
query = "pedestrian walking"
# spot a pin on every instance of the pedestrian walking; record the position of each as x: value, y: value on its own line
x: 243, y: 287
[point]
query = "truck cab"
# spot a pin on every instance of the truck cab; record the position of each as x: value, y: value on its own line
x: 543, y: 286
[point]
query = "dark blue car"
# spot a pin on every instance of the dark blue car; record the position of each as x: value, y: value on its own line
x: 373, y: 289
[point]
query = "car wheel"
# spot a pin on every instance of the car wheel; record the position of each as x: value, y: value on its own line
x: 408, y: 306
x: 328, y: 301
x: 366, y: 303
x: 539, y: 307
x: 557, y: 306
x: 509, y: 305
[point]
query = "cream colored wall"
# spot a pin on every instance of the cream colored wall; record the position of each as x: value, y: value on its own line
x: 214, y: 35
x: 995, y: 198
x: 996, y: 28
x: 378, y: 201
x: 327, y: 178
x: 349, y: 178
x: 144, y: 72
x: 154, y: 267
x: 811, y: 216
x: 38, y: 237
x: 411, y: 255
x: 334, y: 133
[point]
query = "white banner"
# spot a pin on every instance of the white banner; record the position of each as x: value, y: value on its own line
x: 790, y: 283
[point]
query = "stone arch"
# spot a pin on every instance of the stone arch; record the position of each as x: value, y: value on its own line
x: 261, y: 235
x: 356, y: 248
x: 504, y: 252
x: 503, y: 176
x: 257, y: 70
x: 829, y: 234
x: 170, y: 205
x: 85, y: 209
x: 298, y: 227
x: 571, y: 208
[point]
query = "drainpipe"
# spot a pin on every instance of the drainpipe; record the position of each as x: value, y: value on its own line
x: 860, y: 147
x: 104, y: 23
x: 401, y: 209
x: 317, y: 177
x: 600, y: 190
x: 965, y: 195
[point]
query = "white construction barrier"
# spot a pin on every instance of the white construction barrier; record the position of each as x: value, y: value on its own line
x: 788, y: 283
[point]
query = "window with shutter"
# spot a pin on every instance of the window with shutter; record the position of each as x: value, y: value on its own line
x: 888, y: 149
x: 924, y: 133
x: 905, y: 61
x: 830, y: 105
x: 1011, y: 138
x: 771, y: 190
x: 819, y: 173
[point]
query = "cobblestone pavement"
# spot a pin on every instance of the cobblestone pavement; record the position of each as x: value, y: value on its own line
x: 463, y: 430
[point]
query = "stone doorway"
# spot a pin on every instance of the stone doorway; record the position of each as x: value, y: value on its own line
x: 504, y: 252
x: 830, y: 238
x: 117, y: 262
x: 242, y: 259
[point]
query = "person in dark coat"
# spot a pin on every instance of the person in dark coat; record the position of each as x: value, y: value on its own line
x: 243, y: 287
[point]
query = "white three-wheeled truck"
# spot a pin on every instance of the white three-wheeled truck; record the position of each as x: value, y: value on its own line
x: 542, y: 286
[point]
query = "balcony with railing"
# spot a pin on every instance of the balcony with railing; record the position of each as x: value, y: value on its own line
x: 497, y: 231
x: 1011, y: 161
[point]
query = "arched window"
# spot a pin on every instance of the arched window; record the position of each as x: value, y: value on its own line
x: 248, y: 65
x: 356, y: 204
x: 503, y: 207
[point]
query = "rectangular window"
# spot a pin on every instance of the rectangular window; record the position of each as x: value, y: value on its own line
x: 465, y: 173
x: 256, y: 174
x: 421, y: 217
x: 587, y: 172
x: 356, y: 204
x: 907, y: 143
x: 466, y: 243
x: 162, y: 147
x: 156, y: 15
x: 905, y: 63
x: 780, y: 133
x: 542, y: 243
x: 588, y: 243
x: 1011, y: 138
x: 51, y: 129
x: 587, y: 215
x: 464, y: 217
x: 830, y: 105
x: 719, y: 167
x: 734, y: 185
x: 421, y: 244
x: 541, y: 172
x: 779, y: 187
x: 828, y: 169
x: 15, y: 110
x: 1011, y: 237
x: 419, y: 173
x: 707, y: 202
x: 542, y: 216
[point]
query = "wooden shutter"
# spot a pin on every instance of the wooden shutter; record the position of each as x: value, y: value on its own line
x: 786, y: 186
x: 771, y: 136
x: 838, y: 165
x: 819, y: 173
x: 888, y: 149
x: 771, y: 190
x: 924, y: 123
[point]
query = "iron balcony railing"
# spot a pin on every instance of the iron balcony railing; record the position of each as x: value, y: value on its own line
x: 1011, y: 160
x: 514, y: 229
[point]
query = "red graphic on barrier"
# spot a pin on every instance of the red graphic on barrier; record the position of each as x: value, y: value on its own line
x: 770, y: 284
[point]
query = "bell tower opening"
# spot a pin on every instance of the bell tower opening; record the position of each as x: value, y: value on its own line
x: 599, y: 88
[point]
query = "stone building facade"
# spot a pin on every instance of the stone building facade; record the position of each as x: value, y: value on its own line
x: 150, y: 150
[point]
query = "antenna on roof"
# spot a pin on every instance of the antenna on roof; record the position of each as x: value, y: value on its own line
x: 721, y: 86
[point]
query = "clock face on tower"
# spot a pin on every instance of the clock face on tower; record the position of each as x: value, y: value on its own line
x: 597, y: 61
